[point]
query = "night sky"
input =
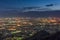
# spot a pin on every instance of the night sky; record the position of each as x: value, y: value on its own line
x: 18, y: 8
x: 11, y: 4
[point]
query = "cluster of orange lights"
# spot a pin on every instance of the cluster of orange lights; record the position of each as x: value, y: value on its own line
x: 52, y: 21
x: 22, y: 22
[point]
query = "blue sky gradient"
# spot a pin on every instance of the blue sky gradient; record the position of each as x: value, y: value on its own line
x: 11, y: 4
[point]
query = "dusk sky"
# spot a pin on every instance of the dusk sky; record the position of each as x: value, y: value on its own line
x: 12, y: 4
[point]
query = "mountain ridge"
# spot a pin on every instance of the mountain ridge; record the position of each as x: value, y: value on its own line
x: 15, y: 13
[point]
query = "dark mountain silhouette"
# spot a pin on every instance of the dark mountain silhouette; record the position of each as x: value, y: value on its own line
x: 42, y: 13
x: 14, y: 13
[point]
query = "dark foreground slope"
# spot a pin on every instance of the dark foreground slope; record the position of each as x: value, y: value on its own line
x: 43, y: 35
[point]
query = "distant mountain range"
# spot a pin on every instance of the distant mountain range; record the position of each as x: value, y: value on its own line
x: 30, y: 12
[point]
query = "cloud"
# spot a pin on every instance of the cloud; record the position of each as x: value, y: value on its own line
x: 30, y: 8
x: 49, y: 5
x: 26, y: 9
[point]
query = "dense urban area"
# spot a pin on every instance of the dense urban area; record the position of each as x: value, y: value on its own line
x: 20, y: 28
